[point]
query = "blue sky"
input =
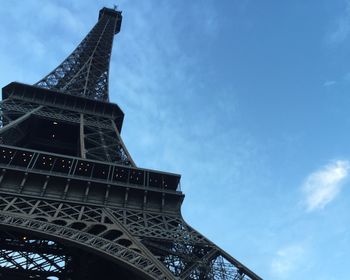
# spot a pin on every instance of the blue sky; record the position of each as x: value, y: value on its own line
x: 248, y: 100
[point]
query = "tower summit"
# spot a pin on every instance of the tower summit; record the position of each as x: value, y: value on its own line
x: 85, y: 71
x: 73, y: 204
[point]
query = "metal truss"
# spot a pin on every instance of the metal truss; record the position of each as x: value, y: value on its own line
x: 85, y: 71
x: 93, y: 175
x: 104, y: 144
x: 118, y: 248
x: 36, y: 258
x: 14, y: 108
x: 100, y: 138
x: 155, y: 237
x: 71, y: 198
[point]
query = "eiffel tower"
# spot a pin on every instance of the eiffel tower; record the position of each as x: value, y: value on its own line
x: 73, y: 204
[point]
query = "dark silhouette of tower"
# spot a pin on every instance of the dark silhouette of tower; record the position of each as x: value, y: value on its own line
x: 73, y: 204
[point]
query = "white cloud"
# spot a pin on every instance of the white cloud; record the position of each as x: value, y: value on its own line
x: 323, y: 185
x: 342, y: 27
x: 346, y: 77
x: 54, y: 13
x: 329, y: 83
x: 286, y: 260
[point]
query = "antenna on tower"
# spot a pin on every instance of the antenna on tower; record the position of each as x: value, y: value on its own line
x: 115, y: 7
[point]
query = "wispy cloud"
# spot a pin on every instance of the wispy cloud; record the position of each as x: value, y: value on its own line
x: 346, y: 77
x: 329, y: 83
x: 286, y: 260
x: 323, y: 185
x: 176, y: 120
x: 341, y: 29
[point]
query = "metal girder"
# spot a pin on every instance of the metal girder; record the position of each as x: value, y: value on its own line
x: 14, y: 123
x: 19, y: 107
x: 113, y: 250
x: 99, y: 138
x: 35, y: 258
x: 182, y: 250
x: 85, y: 71
x: 77, y: 189
x: 50, y: 164
x: 105, y: 145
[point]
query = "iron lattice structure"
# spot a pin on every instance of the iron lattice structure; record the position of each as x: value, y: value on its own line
x: 73, y: 205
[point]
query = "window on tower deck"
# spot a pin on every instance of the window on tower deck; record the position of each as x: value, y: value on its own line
x: 50, y: 135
